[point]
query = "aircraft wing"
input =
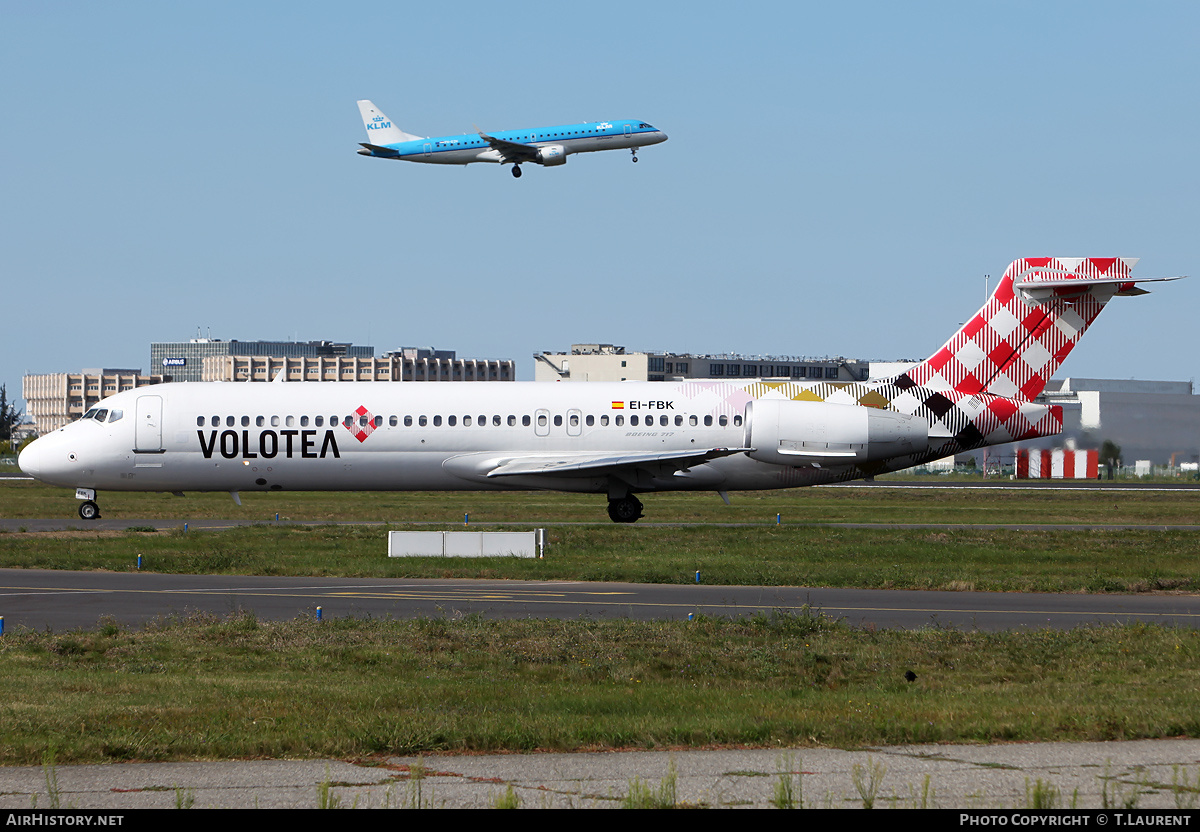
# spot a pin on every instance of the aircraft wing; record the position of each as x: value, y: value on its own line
x: 662, y: 463
x: 601, y: 463
x: 511, y: 151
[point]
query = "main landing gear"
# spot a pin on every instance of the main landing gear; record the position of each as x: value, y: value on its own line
x: 88, y: 510
x: 516, y: 171
x: 625, y: 509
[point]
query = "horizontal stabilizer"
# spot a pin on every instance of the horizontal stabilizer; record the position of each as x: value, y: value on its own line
x: 376, y: 150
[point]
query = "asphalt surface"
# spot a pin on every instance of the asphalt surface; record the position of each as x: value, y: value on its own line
x: 996, y: 777
x: 63, y: 600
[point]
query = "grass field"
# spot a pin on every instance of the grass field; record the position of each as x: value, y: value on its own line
x: 239, y: 688
x: 209, y: 689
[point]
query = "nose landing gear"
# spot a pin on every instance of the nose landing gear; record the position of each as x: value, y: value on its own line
x: 633, y: 150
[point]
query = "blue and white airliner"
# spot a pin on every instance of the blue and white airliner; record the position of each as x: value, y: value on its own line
x: 548, y: 146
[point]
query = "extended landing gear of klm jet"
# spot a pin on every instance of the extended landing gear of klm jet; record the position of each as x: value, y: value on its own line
x: 625, y: 509
x: 516, y: 171
x: 633, y: 150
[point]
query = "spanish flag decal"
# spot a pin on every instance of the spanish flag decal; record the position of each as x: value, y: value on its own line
x: 618, y: 406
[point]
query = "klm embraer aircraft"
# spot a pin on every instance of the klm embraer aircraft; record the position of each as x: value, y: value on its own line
x: 548, y: 146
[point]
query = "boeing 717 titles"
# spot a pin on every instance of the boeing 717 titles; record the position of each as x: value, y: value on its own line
x: 619, y: 440
x: 548, y: 146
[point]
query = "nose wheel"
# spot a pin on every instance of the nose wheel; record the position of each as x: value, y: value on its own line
x: 88, y: 510
x: 633, y: 150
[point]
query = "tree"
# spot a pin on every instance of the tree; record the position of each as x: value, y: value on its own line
x: 1110, y: 455
x: 10, y: 417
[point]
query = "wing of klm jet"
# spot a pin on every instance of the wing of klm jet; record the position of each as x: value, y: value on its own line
x: 491, y: 465
x: 511, y: 151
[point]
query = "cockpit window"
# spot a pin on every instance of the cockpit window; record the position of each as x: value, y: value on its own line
x: 115, y: 416
x: 101, y: 414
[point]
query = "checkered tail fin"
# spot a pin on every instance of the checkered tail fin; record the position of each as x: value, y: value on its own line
x: 1021, y: 336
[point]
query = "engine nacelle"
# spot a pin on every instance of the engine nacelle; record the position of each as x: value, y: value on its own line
x: 818, y: 433
x: 551, y: 155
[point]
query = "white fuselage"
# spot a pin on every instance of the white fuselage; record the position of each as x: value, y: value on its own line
x: 414, y: 436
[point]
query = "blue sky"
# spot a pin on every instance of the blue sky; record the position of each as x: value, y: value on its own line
x: 838, y: 179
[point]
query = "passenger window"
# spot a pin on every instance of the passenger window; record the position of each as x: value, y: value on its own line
x: 422, y: 421
x: 496, y: 421
x: 437, y: 421
x: 541, y: 420
x: 290, y: 421
x: 260, y: 421
x: 633, y: 421
x: 467, y: 421
x: 452, y: 420
x: 274, y: 421
x: 319, y: 421
x: 229, y: 421
x: 604, y: 421
x: 678, y: 421
x: 525, y: 421
x: 391, y: 421
x: 723, y: 421
x: 708, y: 421
x: 557, y: 421
x: 216, y: 421
x: 303, y: 421
x: 245, y: 421
x: 590, y: 420
x: 737, y: 420
x: 662, y: 421
x: 620, y: 421
x: 692, y: 420
x: 199, y: 421
x: 408, y: 421
x: 512, y: 421
x: 574, y: 421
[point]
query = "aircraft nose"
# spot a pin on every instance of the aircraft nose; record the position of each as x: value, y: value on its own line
x: 30, y: 458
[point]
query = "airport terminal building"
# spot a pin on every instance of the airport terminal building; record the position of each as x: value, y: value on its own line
x: 609, y: 362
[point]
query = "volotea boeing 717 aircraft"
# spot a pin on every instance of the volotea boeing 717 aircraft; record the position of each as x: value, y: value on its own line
x: 617, y: 439
x: 548, y: 146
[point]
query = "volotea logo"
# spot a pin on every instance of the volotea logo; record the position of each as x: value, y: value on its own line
x: 363, y: 426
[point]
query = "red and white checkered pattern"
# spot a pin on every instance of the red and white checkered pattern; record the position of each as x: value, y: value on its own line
x: 1022, y: 334
x: 363, y: 426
